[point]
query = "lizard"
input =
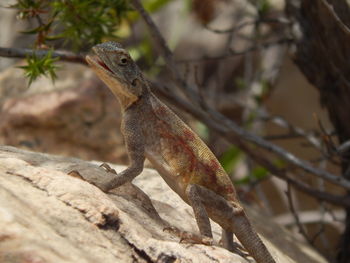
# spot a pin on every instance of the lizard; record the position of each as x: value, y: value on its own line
x: 152, y: 130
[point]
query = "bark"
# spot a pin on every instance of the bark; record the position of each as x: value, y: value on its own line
x: 323, y: 55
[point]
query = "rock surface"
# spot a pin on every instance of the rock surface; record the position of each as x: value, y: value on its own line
x: 47, y: 215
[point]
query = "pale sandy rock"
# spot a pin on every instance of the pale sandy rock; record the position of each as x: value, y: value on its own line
x: 47, y: 215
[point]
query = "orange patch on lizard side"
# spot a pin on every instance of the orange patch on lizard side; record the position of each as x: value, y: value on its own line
x: 214, y: 164
x: 203, y: 172
x: 179, y: 145
x: 210, y: 170
x: 188, y: 135
x: 213, y: 182
x: 229, y: 189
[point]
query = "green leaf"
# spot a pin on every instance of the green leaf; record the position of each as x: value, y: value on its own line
x: 240, y: 83
x: 263, y: 6
x: 258, y: 173
x: 230, y: 158
x: 154, y: 5
x: 37, y: 66
x: 80, y: 23
x: 84, y: 23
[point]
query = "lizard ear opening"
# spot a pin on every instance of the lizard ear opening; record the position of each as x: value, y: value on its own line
x: 133, y: 83
x: 137, y: 87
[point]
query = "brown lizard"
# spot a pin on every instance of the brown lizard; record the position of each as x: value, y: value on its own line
x: 151, y: 130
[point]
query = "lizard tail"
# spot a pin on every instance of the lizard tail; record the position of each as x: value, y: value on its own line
x: 250, y: 240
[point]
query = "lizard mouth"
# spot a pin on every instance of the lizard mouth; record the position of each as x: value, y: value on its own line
x: 94, y: 59
x: 102, y: 64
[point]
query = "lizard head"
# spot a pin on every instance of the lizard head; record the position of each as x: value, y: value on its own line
x: 115, y: 67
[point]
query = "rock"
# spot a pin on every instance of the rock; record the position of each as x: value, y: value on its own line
x: 46, y: 215
x: 75, y: 116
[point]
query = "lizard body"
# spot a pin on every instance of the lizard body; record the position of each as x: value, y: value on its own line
x: 184, y: 161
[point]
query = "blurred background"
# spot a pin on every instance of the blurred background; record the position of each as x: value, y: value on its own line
x: 240, y: 58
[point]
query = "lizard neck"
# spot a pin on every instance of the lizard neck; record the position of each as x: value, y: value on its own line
x: 127, y: 101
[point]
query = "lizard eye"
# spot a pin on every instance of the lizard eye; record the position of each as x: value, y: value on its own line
x: 123, y: 61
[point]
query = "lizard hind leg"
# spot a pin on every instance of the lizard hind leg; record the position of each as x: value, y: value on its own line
x: 228, y: 243
x: 231, y: 217
x: 200, y: 197
x: 199, y: 210
x: 202, y: 219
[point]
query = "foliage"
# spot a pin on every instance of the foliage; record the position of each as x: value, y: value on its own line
x: 40, y: 66
x: 79, y: 24
x: 76, y: 24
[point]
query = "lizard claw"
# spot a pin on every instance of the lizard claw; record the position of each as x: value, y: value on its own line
x: 236, y: 248
x: 239, y: 250
x: 108, y: 168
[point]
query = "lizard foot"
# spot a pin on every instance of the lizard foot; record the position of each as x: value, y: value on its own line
x: 187, y: 237
x: 236, y: 248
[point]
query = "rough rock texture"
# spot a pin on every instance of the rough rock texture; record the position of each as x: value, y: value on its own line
x: 76, y: 116
x: 47, y: 215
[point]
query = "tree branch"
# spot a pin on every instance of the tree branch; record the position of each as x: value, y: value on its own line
x: 24, y: 52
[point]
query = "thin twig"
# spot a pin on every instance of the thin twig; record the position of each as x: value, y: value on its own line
x: 294, y: 131
x: 330, y: 9
x: 165, y: 52
x: 24, y: 52
x: 248, y: 23
x: 343, y: 148
x: 159, y: 40
x: 311, y: 217
x: 232, y: 53
x: 295, y: 214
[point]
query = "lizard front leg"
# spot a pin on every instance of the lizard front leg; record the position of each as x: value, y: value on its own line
x: 135, y: 146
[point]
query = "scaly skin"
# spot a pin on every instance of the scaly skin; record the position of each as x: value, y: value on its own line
x: 187, y: 165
